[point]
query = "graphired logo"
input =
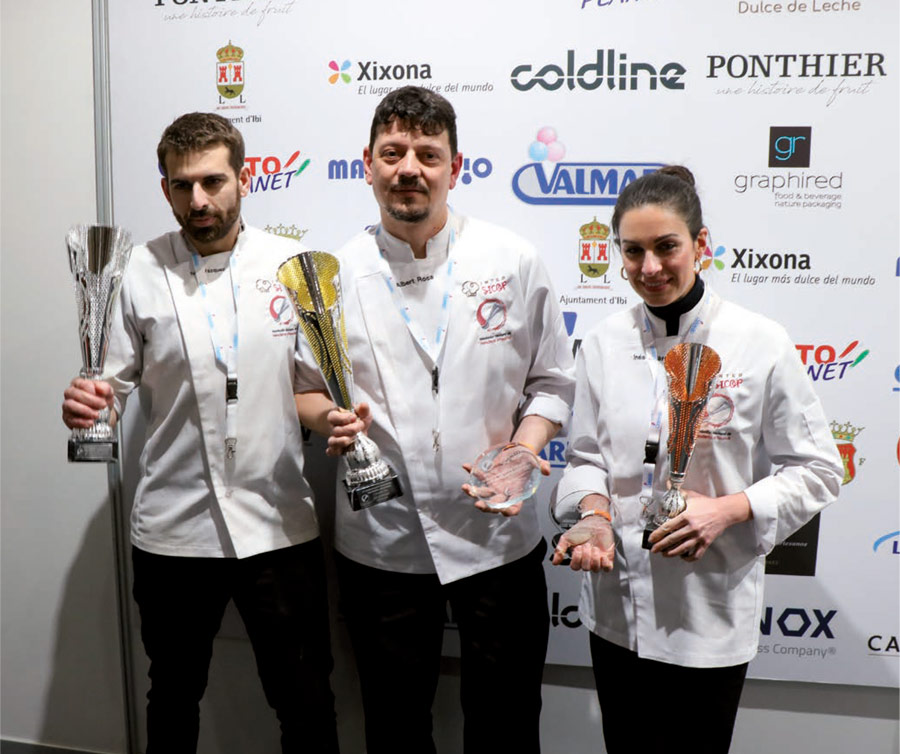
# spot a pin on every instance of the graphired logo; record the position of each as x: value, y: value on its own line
x: 230, y: 73
x: 844, y: 435
x: 789, y: 147
x: 339, y: 72
x: 593, y: 249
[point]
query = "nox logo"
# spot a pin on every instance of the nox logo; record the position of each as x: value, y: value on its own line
x: 795, y: 621
x: 789, y: 146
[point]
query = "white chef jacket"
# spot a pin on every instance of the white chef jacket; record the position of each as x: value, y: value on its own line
x: 763, y: 412
x: 506, y: 356
x: 190, y: 500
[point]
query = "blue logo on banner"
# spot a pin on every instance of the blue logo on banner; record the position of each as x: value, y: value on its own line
x: 894, y: 547
x: 577, y: 182
x: 569, y: 320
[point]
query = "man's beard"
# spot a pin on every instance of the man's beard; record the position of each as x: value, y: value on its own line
x: 210, y: 233
x: 408, y: 214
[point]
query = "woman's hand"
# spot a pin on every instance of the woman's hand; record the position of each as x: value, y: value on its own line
x: 690, y: 533
x: 592, y: 543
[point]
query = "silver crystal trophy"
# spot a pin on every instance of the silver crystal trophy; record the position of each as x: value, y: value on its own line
x: 690, y: 369
x: 97, y: 257
x: 312, y: 279
x: 505, y: 475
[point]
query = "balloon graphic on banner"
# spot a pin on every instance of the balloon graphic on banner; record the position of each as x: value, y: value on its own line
x: 546, y: 147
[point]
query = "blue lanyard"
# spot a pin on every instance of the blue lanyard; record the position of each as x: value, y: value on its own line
x: 434, y: 350
x: 228, y: 358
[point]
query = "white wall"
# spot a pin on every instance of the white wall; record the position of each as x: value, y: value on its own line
x: 60, y: 677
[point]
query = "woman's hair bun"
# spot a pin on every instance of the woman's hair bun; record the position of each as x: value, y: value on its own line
x: 679, y: 171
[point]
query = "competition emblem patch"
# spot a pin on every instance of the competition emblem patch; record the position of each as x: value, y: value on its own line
x: 719, y: 411
x: 491, y: 314
x: 281, y: 310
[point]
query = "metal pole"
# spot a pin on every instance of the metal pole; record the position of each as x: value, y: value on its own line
x: 103, y: 161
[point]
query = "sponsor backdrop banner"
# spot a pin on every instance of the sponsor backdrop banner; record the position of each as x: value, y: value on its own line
x: 786, y: 112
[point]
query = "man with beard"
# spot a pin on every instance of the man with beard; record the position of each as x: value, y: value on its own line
x: 457, y: 345
x: 221, y: 509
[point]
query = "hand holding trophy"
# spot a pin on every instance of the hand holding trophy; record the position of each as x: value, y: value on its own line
x: 504, y: 475
x: 312, y: 279
x: 98, y: 255
x: 691, y: 369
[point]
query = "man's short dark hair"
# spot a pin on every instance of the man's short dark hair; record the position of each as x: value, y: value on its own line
x: 415, y: 108
x: 195, y: 132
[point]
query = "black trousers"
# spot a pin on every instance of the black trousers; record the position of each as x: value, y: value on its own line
x: 282, y: 600
x: 658, y: 708
x: 396, y: 624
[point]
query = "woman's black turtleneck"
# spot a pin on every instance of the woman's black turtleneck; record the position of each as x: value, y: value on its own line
x: 671, y: 313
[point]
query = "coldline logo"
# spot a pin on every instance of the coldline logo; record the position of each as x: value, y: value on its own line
x: 789, y: 147
x: 608, y: 68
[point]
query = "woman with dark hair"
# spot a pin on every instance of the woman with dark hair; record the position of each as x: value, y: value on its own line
x: 673, y: 627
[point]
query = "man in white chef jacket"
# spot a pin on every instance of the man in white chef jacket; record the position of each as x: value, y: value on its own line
x: 457, y: 345
x: 221, y: 510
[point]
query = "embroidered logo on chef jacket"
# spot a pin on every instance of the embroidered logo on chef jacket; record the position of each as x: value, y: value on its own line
x: 469, y: 288
x: 491, y: 317
x: 279, y: 309
x: 719, y: 409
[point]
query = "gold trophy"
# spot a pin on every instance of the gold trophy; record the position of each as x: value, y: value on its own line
x: 312, y: 279
x: 691, y: 369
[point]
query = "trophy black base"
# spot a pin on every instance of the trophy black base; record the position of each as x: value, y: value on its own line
x: 645, y: 541
x: 371, y: 493
x: 97, y: 451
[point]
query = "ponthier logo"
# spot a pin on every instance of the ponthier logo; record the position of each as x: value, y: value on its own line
x: 577, y: 182
x: 609, y: 68
x: 786, y: 66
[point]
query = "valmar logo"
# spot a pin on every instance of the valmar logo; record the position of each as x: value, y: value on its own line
x: 826, y: 363
x: 605, y: 68
x: 578, y: 183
